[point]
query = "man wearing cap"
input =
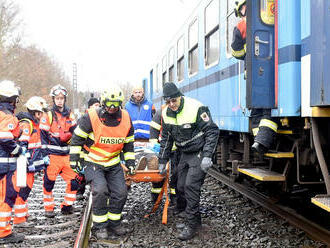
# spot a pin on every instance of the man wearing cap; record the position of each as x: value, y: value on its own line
x: 93, y: 103
x: 188, y: 124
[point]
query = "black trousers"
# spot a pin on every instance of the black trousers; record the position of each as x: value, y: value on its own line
x: 109, y: 193
x: 190, y: 181
x: 174, y: 160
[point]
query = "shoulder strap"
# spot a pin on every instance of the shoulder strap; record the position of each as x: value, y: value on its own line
x: 50, y: 117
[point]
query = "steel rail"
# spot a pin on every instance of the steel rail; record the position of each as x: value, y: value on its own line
x: 313, y: 230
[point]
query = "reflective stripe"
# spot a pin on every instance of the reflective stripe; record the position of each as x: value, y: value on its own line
x: 71, y: 195
x: 48, y: 203
x: 112, y: 216
x: 193, y: 138
x: 20, y: 215
x: 55, y: 134
x: 48, y: 196
x: 155, y: 125
x: 156, y: 190
x: 129, y: 155
x: 4, y: 223
x: 113, y: 161
x: 21, y: 206
x: 34, y: 145
x: 60, y: 148
x: 105, y: 153
x: 75, y: 149
x: 141, y: 131
x: 80, y: 133
x: 5, y: 214
x: 268, y: 123
x: 8, y: 160
x: 100, y: 218
x: 69, y: 202
x: 129, y: 139
x: 44, y: 127
x: 7, y: 135
x: 38, y: 162
x: 24, y: 138
x: 255, y: 131
x: 172, y: 191
x: 91, y: 136
x: 141, y: 122
x: 15, y: 151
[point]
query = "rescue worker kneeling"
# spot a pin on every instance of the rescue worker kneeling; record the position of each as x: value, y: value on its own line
x: 112, y: 131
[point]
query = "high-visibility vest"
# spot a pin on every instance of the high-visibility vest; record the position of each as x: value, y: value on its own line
x: 108, y: 141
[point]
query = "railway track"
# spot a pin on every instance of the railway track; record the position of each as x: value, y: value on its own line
x: 59, y: 232
x: 313, y: 230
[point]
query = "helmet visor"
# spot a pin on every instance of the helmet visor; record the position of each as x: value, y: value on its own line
x: 60, y: 91
x: 111, y: 103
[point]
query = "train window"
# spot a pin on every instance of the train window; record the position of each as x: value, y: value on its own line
x: 193, y: 47
x: 171, y: 65
x: 267, y: 10
x: 164, y: 69
x: 232, y: 21
x: 212, y: 44
x: 180, y: 59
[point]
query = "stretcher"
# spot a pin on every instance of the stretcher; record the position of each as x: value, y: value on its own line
x: 152, y: 176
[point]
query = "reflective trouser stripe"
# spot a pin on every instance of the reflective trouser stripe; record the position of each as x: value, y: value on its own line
x: 172, y: 191
x: 49, y: 202
x: 268, y: 123
x: 4, y: 223
x: 156, y: 190
x: 100, y: 218
x: 113, y: 216
x: 255, y: 131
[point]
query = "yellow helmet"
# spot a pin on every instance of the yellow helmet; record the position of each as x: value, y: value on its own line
x: 114, y: 96
x: 238, y: 8
x: 36, y: 103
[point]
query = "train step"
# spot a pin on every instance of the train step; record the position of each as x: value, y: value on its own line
x: 262, y: 174
x: 283, y: 131
x: 279, y: 154
x: 322, y: 201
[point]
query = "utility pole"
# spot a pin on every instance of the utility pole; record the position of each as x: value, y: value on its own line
x: 75, y: 103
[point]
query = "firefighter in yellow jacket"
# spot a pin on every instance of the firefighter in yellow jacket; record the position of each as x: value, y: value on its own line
x: 111, y: 129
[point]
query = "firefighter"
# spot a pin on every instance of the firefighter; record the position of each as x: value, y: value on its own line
x: 37, y: 159
x: 264, y: 127
x: 9, y: 150
x: 187, y: 123
x: 112, y: 132
x: 140, y: 110
x: 155, y: 137
x: 56, y: 131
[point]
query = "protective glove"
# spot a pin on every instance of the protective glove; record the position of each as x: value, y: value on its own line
x: 46, y: 160
x: 162, y: 168
x: 79, y: 178
x: 76, y: 166
x: 206, y: 164
x: 131, y: 170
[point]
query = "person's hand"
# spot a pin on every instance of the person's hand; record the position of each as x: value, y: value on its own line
x: 131, y: 170
x: 206, y: 164
x: 162, y: 168
x: 76, y: 166
x: 46, y: 160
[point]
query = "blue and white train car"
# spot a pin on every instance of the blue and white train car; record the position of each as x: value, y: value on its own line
x: 288, y: 71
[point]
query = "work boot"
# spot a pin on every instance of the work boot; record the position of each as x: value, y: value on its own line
x: 49, y: 214
x: 66, y: 210
x: 100, y: 234
x: 119, y: 230
x: 180, y: 213
x: 12, y: 238
x: 153, y: 163
x: 180, y: 225
x: 142, y: 163
x: 188, y: 233
x: 259, y: 148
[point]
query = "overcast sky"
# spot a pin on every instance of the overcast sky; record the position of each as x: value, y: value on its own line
x: 110, y: 40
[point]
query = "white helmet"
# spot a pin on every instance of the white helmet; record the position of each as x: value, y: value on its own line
x: 8, y: 89
x: 36, y: 103
x: 57, y: 89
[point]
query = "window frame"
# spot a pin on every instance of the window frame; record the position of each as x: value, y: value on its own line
x: 180, y: 58
x: 193, y: 48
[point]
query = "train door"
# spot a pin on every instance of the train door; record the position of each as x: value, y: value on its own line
x: 260, y: 54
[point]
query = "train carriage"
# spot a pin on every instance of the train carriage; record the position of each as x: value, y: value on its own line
x: 287, y: 70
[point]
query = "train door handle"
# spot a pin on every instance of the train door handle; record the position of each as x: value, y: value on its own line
x: 257, y: 41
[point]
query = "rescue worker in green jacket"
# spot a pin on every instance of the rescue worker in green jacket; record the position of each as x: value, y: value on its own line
x: 188, y: 123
